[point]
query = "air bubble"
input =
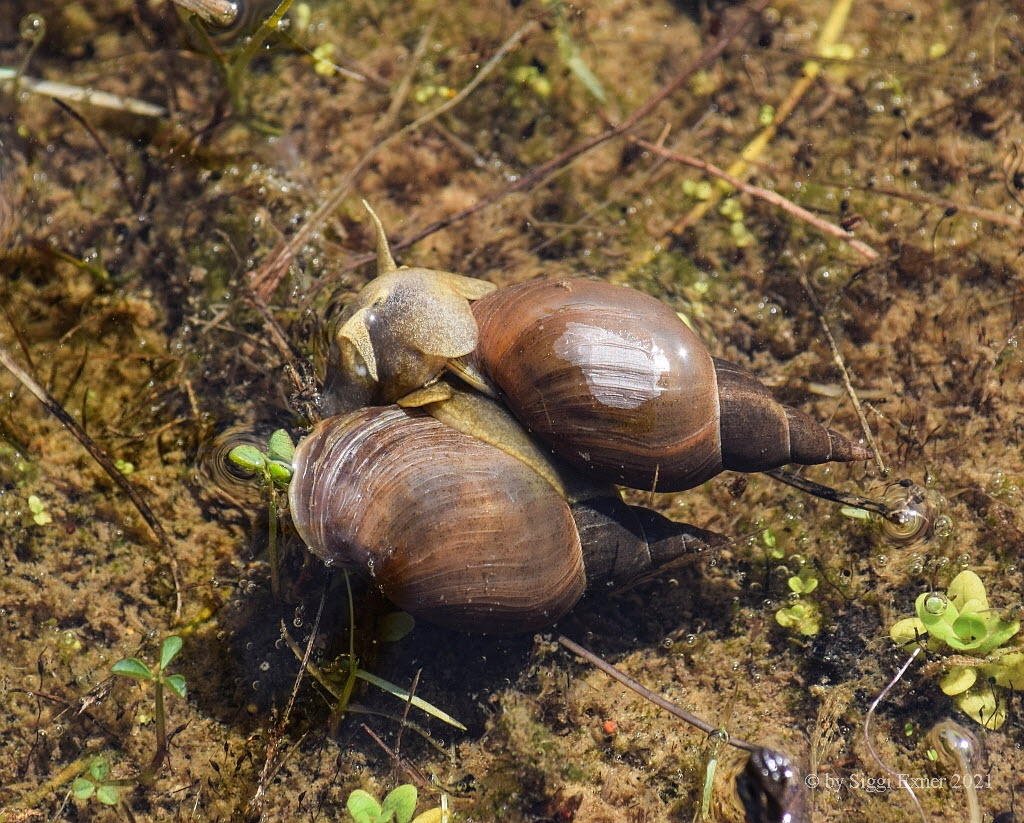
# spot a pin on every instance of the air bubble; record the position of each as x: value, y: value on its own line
x: 913, y: 517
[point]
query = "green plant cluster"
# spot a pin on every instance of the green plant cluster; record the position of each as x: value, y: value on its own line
x: 399, y: 806
x: 802, y: 616
x: 961, y: 627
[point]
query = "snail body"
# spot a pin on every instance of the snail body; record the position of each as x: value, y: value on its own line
x: 461, y: 533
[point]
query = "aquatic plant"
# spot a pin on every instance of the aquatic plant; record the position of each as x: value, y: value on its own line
x: 399, y: 805
x: 137, y: 670
x: 273, y: 469
x: 969, y: 637
x: 802, y: 616
x: 96, y: 783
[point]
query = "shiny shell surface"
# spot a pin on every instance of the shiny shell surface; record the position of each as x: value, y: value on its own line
x: 449, y: 528
x: 610, y: 378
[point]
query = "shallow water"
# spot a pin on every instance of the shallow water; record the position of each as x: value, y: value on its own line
x: 132, y: 246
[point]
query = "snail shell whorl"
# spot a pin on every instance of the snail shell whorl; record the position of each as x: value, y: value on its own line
x: 759, y: 433
x: 448, y: 527
x: 608, y: 377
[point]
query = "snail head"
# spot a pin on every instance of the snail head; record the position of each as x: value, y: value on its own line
x: 399, y: 332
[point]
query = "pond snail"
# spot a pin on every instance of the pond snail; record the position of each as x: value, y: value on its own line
x: 469, y: 450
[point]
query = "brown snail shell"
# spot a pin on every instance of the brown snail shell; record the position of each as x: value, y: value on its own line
x: 608, y: 378
x: 459, y: 532
x: 613, y: 381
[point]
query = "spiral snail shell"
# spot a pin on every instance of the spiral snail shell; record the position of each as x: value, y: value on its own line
x: 483, y: 499
x: 461, y: 533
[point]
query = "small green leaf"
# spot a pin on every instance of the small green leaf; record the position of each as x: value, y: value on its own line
x: 109, y: 795
x: 363, y: 807
x: 981, y: 704
x: 958, y: 680
x: 403, y: 695
x: 969, y: 629
x: 967, y: 586
x: 247, y: 457
x: 99, y: 769
x: 810, y: 584
x: 176, y: 683
x: 908, y: 630
x: 279, y: 473
x: 394, y: 626
x: 169, y: 650
x: 280, y: 447
x: 401, y: 801
x: 132, y: 667
x: 82, y: 788
x: 796, y: 584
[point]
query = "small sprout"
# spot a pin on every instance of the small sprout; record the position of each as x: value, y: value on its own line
x: 766, y: 115
x: 741, y: 236
x: 124, y: 467
x: 802, y: 585
x: 323, y: 57
x: 932, y: 755
x: 731, y: 209
x: 280, y: 447
x: 531, y: 77
x: 248, y: 457
x: 803, y: 617
x: 96, y: 783
x: 697, y: 189
x: 40, y: 515
x: 137, y: 670
x: 937, y: 50
x: 399, y: 805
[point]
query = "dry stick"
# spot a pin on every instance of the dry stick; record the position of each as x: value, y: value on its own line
x: 539, y: 173
x: 830, y: 32
x: 867, y: 732
x: 52, y: 406
x: 772, y: 197
x: 407, y: 767
x: 837, y: 358
x: 992, y: 216
x: 268, y: 276
x: 655, y: 698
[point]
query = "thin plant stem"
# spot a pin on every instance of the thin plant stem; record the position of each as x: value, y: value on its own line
x: 275, y: 560
x: 122, y: 482
x: 867, y: 731
x: 654, y: 697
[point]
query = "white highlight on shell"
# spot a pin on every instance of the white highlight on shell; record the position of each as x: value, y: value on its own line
x: 622, y: 371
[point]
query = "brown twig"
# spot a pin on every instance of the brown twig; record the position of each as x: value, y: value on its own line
x: 837, y: 358
x: 768, y: 196
x: 52, y: 406
x: 133, y: 199
x: 653, y: 697
x: 992, y: 216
